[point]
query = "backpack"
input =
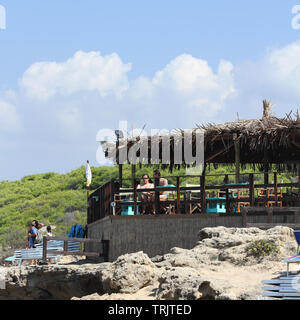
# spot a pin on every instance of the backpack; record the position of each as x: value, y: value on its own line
x: 76, y: 231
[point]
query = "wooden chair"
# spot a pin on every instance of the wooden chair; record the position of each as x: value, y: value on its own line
x: 242, y: 193
x: 274, y: 204
x: 194, y: 195
x: 262, y: 196
x: 271, y: 193
x: 265, y: 194
x: 169, y: 206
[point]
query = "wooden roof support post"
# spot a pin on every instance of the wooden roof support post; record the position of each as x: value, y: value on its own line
x: 203, y: 196
x: 266, y: 169
x: 135, y: 199
x: 45, y: 243
x: 121, y: 175
x: 266, y: 178
x: 118, y: 162
x: 251, y: 189
x: 227, y: 204
x: 237, y: 150
x: 299, y: 183
x: 133, y: 171
x: 112, y: 196
x: 276, y: 188
x: 156, y: 197
x: 178, y: 196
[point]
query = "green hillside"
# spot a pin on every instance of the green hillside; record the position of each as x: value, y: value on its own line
x: 60, y: 199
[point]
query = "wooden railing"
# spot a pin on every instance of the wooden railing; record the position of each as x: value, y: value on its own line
x: 102, y: 201
x: 66, y: 252
x: 271, y: 213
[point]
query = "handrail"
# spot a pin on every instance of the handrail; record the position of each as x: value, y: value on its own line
x: 237, y: 186
x: 105, y: 204
x: 65, y: 250
x: 207, y: 175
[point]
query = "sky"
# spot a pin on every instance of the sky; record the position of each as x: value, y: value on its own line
x: 71, y: 68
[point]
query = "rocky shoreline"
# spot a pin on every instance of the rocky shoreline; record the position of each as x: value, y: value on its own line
x: 219, y: 267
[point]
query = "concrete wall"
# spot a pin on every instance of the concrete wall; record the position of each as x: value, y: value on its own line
x: 154, y: 235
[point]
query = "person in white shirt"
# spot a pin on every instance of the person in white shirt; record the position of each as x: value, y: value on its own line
x: 49, y: 232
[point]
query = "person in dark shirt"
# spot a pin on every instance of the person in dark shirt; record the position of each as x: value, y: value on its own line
x: 32, y: 233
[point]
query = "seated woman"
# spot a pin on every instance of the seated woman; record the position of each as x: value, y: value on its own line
x: 146, y: 185
x: 146, y: 196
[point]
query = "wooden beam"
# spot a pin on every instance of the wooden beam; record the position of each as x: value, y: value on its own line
x: 65, y: 245
x: 266, y: 179
x: 45, y: 249
x: 178, y: 196
x: 121, y: 175
x: 135, y: 199
x: 219, y: 153
x: 251, y: 189
x: 203, y: 196
x: 276, y: 188
x: 67, y: 253
x: 237, y: 151
x: 156, y: 197
x: 227, y: 204
x: 296, y: 144
x: 74, y: 239
x: 133, y: 172
x: 112, y: 197
x: 299, y: 183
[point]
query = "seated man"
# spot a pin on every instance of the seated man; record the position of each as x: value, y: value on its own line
x: 163, y: 196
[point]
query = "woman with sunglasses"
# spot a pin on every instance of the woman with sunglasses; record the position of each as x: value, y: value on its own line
x: 147, y: 184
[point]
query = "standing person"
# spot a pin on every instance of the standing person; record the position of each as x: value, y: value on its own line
x: 38, y: 226
x: 31, y: 236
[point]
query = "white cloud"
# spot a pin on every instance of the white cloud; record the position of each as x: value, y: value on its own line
x: 70, y: 120
x: 83, y: 72
x: 275, y: 77
x: 9, y: 118
x: 192, y: 82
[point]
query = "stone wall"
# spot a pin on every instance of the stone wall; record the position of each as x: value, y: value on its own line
x: 154, y: 235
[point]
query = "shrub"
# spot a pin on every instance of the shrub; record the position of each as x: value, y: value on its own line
x: 262, y: 248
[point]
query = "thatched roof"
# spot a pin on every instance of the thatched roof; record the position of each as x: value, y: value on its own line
x: 268, y: 140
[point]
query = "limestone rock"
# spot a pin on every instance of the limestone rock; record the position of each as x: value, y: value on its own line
x: 219, y: 267
x: 52, y: 282
x: 129, y: 273
x: 188, y: 284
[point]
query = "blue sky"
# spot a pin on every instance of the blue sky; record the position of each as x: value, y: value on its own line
x: 174, y: 64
